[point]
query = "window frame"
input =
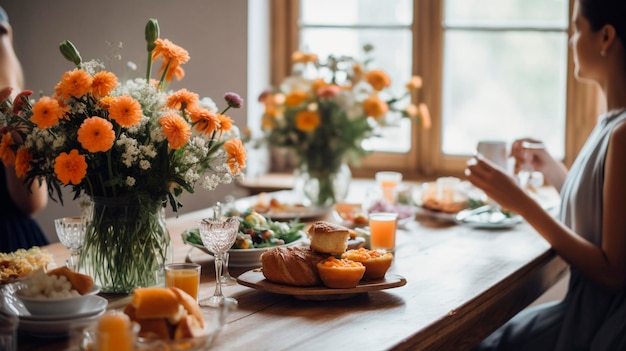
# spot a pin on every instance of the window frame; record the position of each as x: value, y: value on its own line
x: 425, y: 160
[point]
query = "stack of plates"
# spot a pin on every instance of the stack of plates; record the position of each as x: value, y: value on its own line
x: 56, y: 324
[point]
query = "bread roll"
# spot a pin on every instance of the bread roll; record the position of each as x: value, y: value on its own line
x: 82, y: 283
x: 155, y: 303
x: 328, y: 237
x: 188, y: 327
x: 291, y: 266
x: 190, y: 305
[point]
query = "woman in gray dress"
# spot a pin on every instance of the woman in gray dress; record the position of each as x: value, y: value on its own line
x: 590, y: 233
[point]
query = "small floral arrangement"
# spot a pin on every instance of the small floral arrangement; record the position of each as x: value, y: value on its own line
x: 107, y: 138
x: 324, y: 111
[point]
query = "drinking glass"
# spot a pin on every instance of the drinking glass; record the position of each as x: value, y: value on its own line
x: 218, y: 235
x: 71, y: 233
x: 494, y: 151
x: 217, y: 213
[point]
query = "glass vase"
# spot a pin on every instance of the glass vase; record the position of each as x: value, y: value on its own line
x: 126, y: 245
x: 324, y: 187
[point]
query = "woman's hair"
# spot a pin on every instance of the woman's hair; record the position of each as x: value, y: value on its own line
x: 603, y: 12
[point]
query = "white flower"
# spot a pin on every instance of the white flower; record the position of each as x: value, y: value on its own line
x: 130, y: 181
x: 209, y: 104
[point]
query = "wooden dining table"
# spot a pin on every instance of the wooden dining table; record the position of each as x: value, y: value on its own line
x: 461, y: 284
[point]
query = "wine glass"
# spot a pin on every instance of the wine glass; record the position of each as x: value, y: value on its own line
x: 71, y: 233
x: 218, y: 235
x: 225, y: 278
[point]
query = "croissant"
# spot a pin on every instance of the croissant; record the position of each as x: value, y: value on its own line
x: 292, y: 266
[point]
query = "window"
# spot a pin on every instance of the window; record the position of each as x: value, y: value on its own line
x: 492, y: 69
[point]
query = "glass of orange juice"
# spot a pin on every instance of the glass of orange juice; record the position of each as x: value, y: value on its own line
x: 383, y: 231
x: 388, y: 183
x: 185, y: 276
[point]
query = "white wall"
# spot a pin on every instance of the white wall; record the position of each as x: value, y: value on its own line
x: 215, y: 32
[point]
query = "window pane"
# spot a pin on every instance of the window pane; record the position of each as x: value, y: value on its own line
x: 497, y: 86
x: 507, y: 12
x: 355, y: 12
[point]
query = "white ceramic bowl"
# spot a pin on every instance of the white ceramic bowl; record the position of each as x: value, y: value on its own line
x: 52, y: 306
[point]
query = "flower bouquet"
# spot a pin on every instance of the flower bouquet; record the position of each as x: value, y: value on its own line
x: 325, y: 111
x: 132, y: 147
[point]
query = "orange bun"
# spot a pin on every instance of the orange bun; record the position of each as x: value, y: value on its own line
x: 340, y: 274
x: 155, y: 303
x: 376, y: 264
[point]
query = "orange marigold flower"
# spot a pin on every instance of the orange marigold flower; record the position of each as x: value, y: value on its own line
x: 375, y: 107
x: 103, y: 84
x: 303, y: 57
x: 96, y: 134
x: 22, y: 162
x: 268, y: 122
x: 236, y: 155
x: 378, y: 79
x: 74, y: 83
x: 106, y: 101
x: 318, y: 84
x: 173, y: 56
x: 176, y: 130
x: 126, y: 111
x: 226, y: 123
x: 46, y: 112
x: 295, y: 98
x: 70, y: 168
x: 182, y: 99
x: 307, y: 121
x: 424, y: 116
x: 414, y: 83
x: 6, y: 153
x: 204, y: 120
x: 20, y: 100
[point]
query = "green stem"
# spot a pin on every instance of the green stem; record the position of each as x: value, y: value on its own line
x: 149, y: 66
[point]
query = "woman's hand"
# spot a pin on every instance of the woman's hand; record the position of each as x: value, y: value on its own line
x: 495, y: 182
x: 531, y: 155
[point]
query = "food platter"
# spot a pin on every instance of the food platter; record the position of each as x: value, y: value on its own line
x: 255, y: 279
x: 435, y: 215
x: 485, y: 218
x: 240, y: 257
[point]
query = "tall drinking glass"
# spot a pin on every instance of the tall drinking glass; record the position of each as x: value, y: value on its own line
x: 218, y: 235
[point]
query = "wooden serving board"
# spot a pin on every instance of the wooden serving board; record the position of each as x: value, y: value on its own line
x: 255, y: 279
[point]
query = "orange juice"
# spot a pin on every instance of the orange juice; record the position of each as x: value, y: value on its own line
x: 115, y: 332
x: 383, y: 231
x: 389, y: 190
x: 185, y: 276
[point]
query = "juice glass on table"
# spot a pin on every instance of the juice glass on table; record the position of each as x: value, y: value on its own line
x: 388, y: 182
x: 383, y: 231
x: 185, y: 276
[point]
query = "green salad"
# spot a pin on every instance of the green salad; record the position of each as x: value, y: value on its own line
x: 256, y: 231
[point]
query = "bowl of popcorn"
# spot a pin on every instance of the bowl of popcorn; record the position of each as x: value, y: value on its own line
x: 59, y: 291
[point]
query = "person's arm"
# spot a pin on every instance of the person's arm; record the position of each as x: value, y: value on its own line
x: 29, y: 200
x: 605, y: 265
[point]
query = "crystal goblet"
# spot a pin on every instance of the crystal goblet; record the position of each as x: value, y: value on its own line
x: 218, y: 235
x: 226, y: 278
x: 71, y: 233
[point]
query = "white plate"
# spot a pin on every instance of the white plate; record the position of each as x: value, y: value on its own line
x: 94, y: 305
x: 482, y: 218
x: 243, y: 257
x: 57, y: 327
x: 437, y: 215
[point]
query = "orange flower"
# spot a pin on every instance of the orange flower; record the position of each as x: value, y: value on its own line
x: 22, y: 162
x: 6, y: 153
x: 204, y: 120
x: 307, y: 121
x: 424, y: 116
x: 318, y: 84
x: 414, y: 83
x: 126, y: 111
x: 70, y: 168
x: 103, y: 83
x: 96, y: 134
x: 378, y: 79
x: 176, y: 130
x: 236, y: 155
x: 74, y: 83
x: 46, y: 112
x: 105, y: 102
x: 375, y: 107
x: 173, y: 56
x: 295, y: 98
x: 226, y: 123
x: 182, y: 99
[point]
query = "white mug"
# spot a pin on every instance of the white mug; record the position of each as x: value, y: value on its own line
x: 494, y: 151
